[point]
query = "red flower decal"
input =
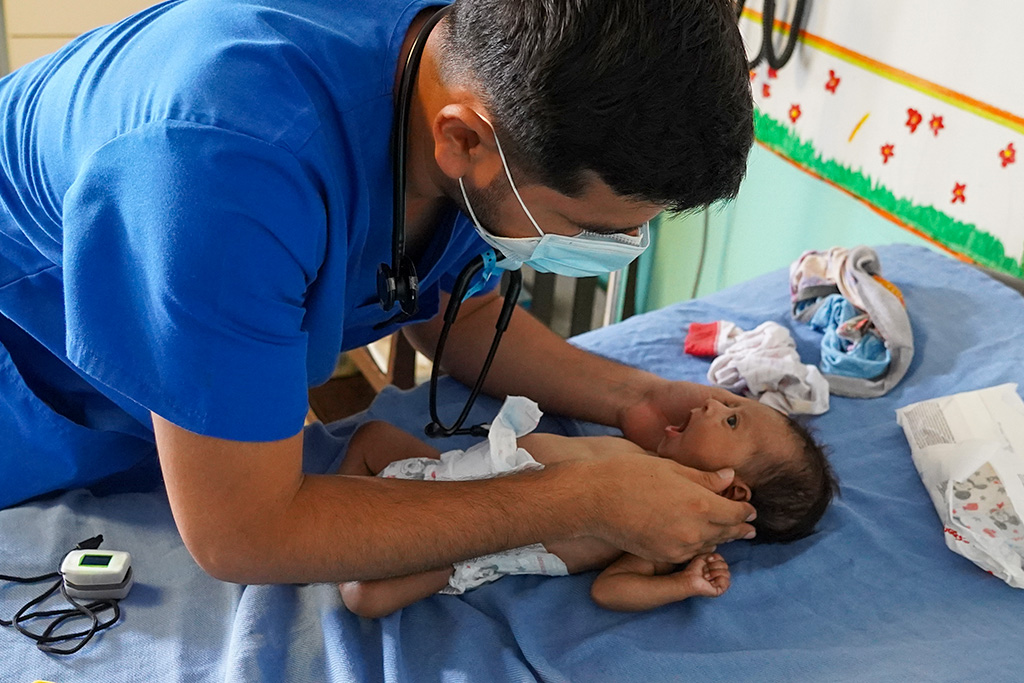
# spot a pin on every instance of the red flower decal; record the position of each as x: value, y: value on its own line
x: 958, y: 193
x: 1008, y: 155
x: 833, y: 82
x: 914, y: 119
x: 887, y: 151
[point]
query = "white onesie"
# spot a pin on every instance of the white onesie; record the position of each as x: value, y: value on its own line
x: 498, y: 456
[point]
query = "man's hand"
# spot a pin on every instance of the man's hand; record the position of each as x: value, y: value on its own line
x: 659, y: 509
x: 664, y: 403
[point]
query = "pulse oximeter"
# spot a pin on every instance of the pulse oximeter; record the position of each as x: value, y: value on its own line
x: 97, y: 574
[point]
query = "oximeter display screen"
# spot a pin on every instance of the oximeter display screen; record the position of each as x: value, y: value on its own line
x: 94, y: 561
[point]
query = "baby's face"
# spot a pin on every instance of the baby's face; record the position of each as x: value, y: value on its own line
x: 727, y: 434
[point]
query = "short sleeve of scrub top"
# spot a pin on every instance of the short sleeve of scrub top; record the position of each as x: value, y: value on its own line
x: 188, y: 251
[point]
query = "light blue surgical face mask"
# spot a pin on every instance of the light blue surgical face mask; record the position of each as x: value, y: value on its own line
x: 581, y: 255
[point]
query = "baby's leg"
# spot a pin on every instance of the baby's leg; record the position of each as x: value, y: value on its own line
x: 584, y: 554
x: 375, y: 599
x: 374, y: 446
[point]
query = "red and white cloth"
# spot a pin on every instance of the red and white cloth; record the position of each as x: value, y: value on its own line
x: 762, y: 364
x: 710, y: 339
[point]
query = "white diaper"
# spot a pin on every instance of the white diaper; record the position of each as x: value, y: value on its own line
x: 969, y: 450
x: 499, y: 455
x: 530, y: 559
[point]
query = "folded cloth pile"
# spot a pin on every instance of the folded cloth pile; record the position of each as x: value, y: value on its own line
x: 762, y: 364
x: 849, y: 344
x: 867, y: 343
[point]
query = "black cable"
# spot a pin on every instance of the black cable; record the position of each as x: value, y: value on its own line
x: 45, y: 640
x: 27, y: 579
x: 767, y: 49
x: 751, y: 64
x: 703, y: 252
x: 768, y: 22
x: 779, y: 61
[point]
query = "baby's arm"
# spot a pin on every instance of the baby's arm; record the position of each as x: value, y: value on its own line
x: 375, y: 445
x: 551, y: 449
x: 632, y: 584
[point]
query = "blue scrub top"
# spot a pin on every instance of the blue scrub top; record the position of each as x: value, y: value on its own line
x: 193, y: 207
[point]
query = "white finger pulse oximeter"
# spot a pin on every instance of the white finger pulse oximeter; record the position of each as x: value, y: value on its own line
x: 97, y: 574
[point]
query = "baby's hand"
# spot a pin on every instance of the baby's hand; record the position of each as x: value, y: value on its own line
x: 707, y: 575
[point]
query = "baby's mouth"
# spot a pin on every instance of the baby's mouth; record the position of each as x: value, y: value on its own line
x: 673, y: 430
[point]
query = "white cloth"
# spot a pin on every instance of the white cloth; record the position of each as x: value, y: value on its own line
x: 764, y: 365
x: 727, y: 333
x: 498, y: 456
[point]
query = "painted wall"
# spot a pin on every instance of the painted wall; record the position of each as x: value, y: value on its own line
x: 781, y: 211
x: 874, y: 110
x: 875, y: 101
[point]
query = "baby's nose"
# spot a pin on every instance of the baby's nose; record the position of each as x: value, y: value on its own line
x: 713, y: 404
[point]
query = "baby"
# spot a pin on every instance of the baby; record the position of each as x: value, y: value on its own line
x: 779, y: 469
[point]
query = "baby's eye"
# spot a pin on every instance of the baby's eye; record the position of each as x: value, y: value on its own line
x: 731, y: 421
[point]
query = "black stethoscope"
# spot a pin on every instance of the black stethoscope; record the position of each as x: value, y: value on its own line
x: 398, y: 283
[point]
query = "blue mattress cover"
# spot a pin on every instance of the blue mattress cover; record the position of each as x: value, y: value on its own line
x: 874, y: 595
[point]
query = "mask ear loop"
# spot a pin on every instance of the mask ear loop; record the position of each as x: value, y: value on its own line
x: 508, y: 174
x: 465, y: 198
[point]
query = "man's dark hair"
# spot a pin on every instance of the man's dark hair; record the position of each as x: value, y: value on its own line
x: 791, y: 494
x: 651, y: 95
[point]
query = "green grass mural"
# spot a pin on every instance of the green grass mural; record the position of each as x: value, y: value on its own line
x: 964, y: 238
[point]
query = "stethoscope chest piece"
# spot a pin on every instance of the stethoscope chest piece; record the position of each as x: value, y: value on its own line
x: 398, y: 285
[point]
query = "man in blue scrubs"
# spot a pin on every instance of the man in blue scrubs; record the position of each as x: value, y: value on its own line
x: 193, y: 206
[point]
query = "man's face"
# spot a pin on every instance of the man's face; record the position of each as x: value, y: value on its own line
x: 597, y: 209
x: 728, y: 434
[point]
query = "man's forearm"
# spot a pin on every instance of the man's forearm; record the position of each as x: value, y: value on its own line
x: 359, y: 528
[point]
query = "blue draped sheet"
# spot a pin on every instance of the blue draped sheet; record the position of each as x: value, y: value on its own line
x: 875, y: 595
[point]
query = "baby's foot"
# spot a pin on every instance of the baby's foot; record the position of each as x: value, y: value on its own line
x: 707, y: 575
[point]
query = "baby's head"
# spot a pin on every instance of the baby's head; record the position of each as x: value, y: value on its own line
x: 780, y: 469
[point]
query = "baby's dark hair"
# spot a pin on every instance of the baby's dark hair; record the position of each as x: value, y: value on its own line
x: 791, y: 495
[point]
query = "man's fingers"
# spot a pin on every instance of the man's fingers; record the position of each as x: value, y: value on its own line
x: 725, y: 512
x: 732, y: 517
x: 712, y: 481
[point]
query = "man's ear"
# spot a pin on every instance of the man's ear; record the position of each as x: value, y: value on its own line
x: 464, y: 145
x: 738, y: 490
